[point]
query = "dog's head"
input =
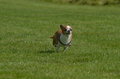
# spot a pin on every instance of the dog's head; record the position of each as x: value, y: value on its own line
x: 66, y: 29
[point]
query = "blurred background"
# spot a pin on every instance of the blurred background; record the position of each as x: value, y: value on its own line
x: 86, y: 2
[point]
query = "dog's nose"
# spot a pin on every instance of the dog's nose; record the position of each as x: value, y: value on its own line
x: 68, y: 31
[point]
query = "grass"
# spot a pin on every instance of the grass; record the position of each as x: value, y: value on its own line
x: 26, y: 51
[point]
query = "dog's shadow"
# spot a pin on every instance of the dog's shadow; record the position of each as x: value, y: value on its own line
x: 46, y: 51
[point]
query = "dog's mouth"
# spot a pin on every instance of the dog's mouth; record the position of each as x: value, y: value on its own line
x: 68, y: 33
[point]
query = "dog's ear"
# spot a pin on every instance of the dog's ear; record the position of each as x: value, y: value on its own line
x: 61, y: 26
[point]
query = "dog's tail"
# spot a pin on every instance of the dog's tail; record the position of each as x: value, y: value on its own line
x: 52, y: 37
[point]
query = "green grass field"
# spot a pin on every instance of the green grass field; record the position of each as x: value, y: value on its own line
x: 26, y: 51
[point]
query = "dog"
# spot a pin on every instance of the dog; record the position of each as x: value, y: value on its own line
x: 62, y: 38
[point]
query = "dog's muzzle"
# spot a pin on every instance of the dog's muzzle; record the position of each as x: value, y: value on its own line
x: 68, y: 32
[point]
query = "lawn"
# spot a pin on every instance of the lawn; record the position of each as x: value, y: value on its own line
x: 26, y: 51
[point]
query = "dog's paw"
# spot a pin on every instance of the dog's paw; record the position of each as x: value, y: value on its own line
x: 55, y: 45
x: 69, y: 45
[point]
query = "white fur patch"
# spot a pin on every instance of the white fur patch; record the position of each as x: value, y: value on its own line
x: 68, y: 27
x: 65, y: 39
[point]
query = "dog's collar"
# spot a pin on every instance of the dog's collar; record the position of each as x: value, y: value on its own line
x: 63, y: 43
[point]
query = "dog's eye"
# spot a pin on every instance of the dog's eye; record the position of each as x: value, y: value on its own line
x: 70, y: 29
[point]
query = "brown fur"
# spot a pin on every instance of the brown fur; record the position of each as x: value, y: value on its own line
x: 56, y: 37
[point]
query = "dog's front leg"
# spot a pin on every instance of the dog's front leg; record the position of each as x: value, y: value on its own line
x: 65, y: 48
x: 57, y: 48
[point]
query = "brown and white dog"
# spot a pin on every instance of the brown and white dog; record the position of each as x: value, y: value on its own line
x: 62, y: 38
